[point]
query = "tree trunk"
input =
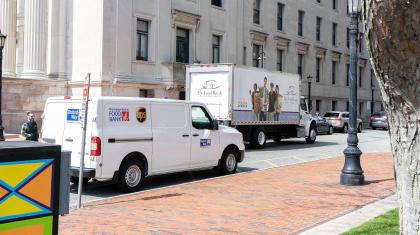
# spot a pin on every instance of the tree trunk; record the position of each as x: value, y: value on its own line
x: 393, y: 37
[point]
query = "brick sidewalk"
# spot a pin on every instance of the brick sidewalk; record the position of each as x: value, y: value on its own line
x: 283, y: 200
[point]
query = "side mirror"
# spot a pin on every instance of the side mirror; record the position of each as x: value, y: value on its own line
x: 215, y: 125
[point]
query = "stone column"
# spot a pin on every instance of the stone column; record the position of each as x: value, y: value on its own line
x: 8, y: 28
x: 35, y: 39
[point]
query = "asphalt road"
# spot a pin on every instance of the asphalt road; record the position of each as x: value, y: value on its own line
x: 287, y: 152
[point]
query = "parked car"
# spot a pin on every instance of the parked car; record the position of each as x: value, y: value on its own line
x: 340, y: 121
x: 322, y: 126
x: 379, y: 120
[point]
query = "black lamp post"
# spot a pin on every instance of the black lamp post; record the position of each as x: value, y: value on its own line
x: 352, y: 173
x: 309, y: 92
x: 2, y: 41
x: 372, y: 87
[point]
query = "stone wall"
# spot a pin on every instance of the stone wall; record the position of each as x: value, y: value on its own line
x: 22, y: 95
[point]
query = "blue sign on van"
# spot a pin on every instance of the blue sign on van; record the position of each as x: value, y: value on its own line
x: 73, y: 115
x: 205, y: 142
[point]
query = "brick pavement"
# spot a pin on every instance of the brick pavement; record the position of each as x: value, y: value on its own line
x: 283, y: 200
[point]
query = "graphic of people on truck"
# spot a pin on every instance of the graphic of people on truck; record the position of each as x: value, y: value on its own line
x: 256, y: 102
x: 266, y: 103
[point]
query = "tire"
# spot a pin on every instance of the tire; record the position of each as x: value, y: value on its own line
x: 312, y: 135
x: 373, y: 128
x: 345, y: 128
x: 330, y: 130
x: 130, y: 175
x: 75, y: 180
x: 359, y: 128
x: 229, y: 161
x: 259, y: 138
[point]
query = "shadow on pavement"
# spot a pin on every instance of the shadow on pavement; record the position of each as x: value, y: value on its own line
x: 291, y: 145
x: 103, y: 189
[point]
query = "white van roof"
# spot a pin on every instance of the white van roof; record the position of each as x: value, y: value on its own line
x: 117, y: 98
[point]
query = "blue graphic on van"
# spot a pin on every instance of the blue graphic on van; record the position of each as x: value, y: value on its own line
x: 205, y: 142
x: 73, y: 115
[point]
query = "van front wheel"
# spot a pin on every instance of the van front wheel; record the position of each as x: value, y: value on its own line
x: 131, y: 175
x: 229, y: 161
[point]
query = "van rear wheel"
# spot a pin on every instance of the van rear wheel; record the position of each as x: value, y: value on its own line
x: 130, y: 175
x: 229, y: 161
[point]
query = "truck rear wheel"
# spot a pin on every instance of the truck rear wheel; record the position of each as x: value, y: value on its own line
x: 259, y: 138
x: 130, y: 175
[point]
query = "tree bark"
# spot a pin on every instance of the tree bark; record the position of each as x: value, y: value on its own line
x: 392, y: 33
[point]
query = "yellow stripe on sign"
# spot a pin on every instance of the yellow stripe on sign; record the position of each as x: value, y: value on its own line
x: 16, y: 206
x: 16, y: 173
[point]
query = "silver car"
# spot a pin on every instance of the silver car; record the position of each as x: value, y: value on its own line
x: 340, y: 121
x: 379, y: 120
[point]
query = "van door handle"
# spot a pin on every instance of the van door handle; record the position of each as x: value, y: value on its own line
x: 195, y: 134
x: 185, y: 135
x: 69, y: 139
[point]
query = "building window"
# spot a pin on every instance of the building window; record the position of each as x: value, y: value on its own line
x: 333, y: 105
x: 142, y: 39
x: 317, y: 105
x: 334, y: 34
x: 257, y: 6
x: 318, y: 28
x: 300, y: 65
x: 279, y: 60
x: 216, y: 3
x: 300, y: 23
x: 216, y: 49
x: 256, y: 52
x: 347, y: 106
x: 182, y: 46
x: 348, y: 38
x: 334, y: 71
x: 347, y: 74
x: 146, y: 93
x: 334, y: 4
x: 318, y: 1
x: 360, y: 76
x: 361, y: 43
x: 360, y: 109
x: 318, y: 70
x: 280, y: 9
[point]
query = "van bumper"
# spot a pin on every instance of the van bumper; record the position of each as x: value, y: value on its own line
x: 87, y: 172
x: 241, y: 158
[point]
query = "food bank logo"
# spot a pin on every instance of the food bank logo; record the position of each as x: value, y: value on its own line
x: 210, y: 88
x: 119, y: 115
x: 141, y: 115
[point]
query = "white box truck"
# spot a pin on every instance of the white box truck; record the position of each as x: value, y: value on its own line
x: 261, y: 104
x: 133, y: 138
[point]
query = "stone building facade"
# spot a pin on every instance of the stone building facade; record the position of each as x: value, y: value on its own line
x: 140, y: 48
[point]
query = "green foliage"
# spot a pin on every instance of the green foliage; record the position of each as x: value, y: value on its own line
x: 386, y: 224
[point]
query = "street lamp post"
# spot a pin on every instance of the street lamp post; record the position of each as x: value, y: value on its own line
x: 372, y: 87
x: 309, y: 92
x: 2, y: 41
x: 352, y: 173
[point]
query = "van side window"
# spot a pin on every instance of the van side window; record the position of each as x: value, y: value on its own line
x: 200, y: 118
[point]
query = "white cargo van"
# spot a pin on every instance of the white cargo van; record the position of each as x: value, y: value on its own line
x: 132, y: 138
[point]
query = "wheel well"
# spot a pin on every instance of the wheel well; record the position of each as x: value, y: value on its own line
x: 236, y: 149
x: 139, y: 156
